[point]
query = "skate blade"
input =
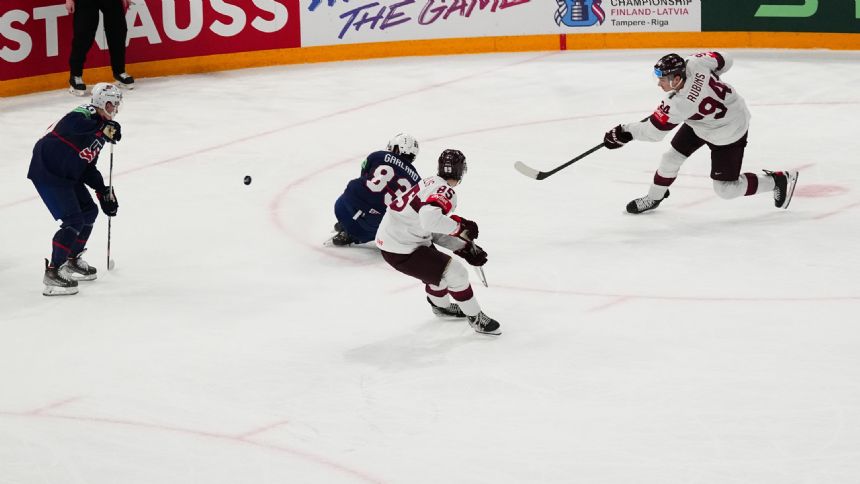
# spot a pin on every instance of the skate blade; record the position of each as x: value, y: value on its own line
x: 494, y: 332
x: 330, y: 243
x: 79, y: 277
x: 124, y: 86
x: 790, y: 189
x: 59, y: 291
x: 75, y: 92
x: 68, y: 274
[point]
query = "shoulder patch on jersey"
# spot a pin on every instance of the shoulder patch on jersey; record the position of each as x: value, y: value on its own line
x: 716, y: 56
x: 441, y: 201
x: 86, y: 109
x: 660, y: 116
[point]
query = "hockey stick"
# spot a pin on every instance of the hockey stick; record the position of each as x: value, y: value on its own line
x: 540, y: 175
x: 480, y: 270
x: 110, y: 263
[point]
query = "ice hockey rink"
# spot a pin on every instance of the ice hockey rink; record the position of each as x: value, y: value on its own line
x: 709, y: 341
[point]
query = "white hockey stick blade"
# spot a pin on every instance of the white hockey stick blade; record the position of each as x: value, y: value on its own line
x: 111, y: 264
x: 526, y: 170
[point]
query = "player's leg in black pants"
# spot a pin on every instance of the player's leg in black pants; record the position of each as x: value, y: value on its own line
x: 89, y: 212
x: 116, y: 30
x: 85, y: 23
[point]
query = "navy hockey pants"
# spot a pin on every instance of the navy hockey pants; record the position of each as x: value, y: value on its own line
x: 362, y: 229
x: 74, y: 206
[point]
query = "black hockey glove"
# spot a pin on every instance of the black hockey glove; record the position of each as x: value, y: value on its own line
x: 467, y: 230
x: 112, y: 131
x: 107, y: 199
x: 473, y: 254
x: 616, y: 138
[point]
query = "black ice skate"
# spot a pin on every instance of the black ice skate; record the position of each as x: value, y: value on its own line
x: 56, y: 284
x: 645, y: 203
x: 77, y: 86
x: 451, y: 311
x: 124, y: 80
x: 484, y: 324
x: 784, y: 189
x: 342, y: 239
x: 77, y: 269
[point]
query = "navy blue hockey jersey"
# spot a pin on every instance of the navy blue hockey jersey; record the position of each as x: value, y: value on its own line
x: 384, y: 177
x: 68, y: 153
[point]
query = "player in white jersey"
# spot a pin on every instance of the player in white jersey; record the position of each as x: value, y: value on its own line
x: 421, y: 218
x: 710, y: 112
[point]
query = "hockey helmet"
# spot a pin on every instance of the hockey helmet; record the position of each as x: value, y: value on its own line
x: 671, y: 65
x: 452, y: 165
x: 406, y: 146
x: 104, y: 93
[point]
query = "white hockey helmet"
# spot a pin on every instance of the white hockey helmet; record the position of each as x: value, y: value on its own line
x: 406, y: 145
x: 104, y: 93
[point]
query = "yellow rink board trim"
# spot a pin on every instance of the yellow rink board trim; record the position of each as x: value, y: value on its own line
x: 474, y: 45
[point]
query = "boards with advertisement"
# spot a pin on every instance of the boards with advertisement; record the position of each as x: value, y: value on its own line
x: 35, y: 35
x: 829, y: 16
x: 335, y: 22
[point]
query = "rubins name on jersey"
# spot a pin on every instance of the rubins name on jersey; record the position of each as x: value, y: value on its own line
x: 696, y: 88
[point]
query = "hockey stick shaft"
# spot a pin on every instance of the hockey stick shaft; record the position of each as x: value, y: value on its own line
x: 478, y: 269
x: 110, y: 185
x: 540, y: 175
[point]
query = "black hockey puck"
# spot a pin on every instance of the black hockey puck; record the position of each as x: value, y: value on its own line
x: 247, y: 179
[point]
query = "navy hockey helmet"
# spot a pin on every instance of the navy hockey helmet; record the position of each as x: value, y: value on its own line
x: 671, y: 65
x: 452, y: 165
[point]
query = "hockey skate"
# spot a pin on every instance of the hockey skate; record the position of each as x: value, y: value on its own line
x: 77, y: 269
x: 484, y: 324
x: 77, y: 86
x: 342, y: 239
x: 56, y: 284
x: 784, y: 189
x: 124, y: 80
x: 451, y: 311
x: 645, y: 203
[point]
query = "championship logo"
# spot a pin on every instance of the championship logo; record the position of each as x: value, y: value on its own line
x: 579, y: 13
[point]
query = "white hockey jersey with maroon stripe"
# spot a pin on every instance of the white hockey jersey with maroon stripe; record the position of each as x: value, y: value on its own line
x: 415, y: 217
x: 710, y: 106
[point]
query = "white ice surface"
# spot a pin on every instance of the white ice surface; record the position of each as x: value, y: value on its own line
x: 709, y: 341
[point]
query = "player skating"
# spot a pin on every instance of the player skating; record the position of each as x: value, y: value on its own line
x: 385, y: 175
x: 62, y: 166
x: 710, y: 111
x: 421, y: 218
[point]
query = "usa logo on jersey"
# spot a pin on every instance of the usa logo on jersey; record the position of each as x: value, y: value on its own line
x: 579, y: 13
x: 90, y: 154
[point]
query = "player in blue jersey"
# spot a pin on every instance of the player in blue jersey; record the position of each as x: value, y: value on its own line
x: 385, y: 175
x: 63, y: 165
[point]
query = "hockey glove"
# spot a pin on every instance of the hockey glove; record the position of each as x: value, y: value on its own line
x: 112, y: 131
x: 467, y: 230
x: 616, y: 138
x: 108, y: 202
x: 473, y: 254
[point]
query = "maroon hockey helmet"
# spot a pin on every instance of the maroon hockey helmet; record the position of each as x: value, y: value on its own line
x: 452, y: 165
x: 671, y: 65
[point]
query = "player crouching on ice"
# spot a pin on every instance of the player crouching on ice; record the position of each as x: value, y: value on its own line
x: 63, y: 162
x: 384, y: 176
x: 420, y: 218
x: 710, y: 112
